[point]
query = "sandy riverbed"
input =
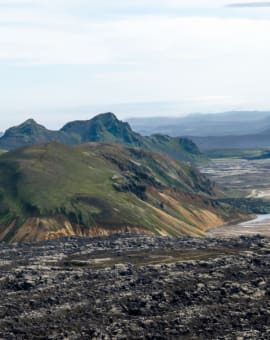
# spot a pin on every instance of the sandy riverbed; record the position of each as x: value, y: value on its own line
x: 259, y: 225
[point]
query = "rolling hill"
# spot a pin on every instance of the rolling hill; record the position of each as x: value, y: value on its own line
x: 105, y: 128
x: 52, y: 190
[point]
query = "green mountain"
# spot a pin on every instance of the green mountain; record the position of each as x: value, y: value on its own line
x: 182, y: 149
x: 52, y: 190
x: 105, y: 128
x: 28, y: 133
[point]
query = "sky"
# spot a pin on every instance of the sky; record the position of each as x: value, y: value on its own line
x: 62, y: 60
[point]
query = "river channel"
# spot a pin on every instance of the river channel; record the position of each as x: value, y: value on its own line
x: 259, y: 225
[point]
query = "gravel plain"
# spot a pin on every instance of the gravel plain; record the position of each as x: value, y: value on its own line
x: 236, y: 174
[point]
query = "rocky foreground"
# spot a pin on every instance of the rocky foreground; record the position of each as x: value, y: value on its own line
x: 136, y: 287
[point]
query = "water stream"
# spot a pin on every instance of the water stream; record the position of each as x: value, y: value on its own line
x: 258, y: 219
x: 259, y: 225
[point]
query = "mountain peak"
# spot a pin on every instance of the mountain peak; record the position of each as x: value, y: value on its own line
x: 106, y: 116
x: 30, y: 132
x: 29, y: 126
x: 30, y: 121
x: 104, y: 128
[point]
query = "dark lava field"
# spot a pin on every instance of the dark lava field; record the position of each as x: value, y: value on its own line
x: 136, y: 287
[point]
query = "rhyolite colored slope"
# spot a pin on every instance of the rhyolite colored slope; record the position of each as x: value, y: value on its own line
x: 52, y: 190
x: 105, y: 128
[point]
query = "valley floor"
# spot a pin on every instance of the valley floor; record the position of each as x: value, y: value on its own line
x: 248, y: 182
x: 240, y: 176
x: 136, y: 287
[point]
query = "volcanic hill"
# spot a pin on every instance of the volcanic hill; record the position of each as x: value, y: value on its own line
x: 52, y: 190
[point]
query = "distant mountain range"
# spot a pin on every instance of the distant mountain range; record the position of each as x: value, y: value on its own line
x: 220, y: 124
x: 104, y: 128
x: 53, y: 190
x: 254, y: 141
x: 229, y: 130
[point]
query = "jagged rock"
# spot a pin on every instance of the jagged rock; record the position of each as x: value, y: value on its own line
x: 141, y: 287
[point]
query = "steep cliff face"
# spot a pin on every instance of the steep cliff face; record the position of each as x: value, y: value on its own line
x: 53, y: 190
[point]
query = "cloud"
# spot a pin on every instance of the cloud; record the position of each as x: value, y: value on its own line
x: 42, y: 36
x: 75, y: 52
x: 250, y: 5
x: 138, y: 41
x: 118, y: 5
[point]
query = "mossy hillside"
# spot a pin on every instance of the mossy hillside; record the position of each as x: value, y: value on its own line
x: 101, y: 186
x: 51, y: 179
x: 159, y: 167
x: 181, y: 149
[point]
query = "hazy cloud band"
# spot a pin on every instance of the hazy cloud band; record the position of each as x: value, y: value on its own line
x: 250, y: 5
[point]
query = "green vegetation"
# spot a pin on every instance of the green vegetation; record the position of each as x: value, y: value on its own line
x: 177, y: 148
x: 101, y: 186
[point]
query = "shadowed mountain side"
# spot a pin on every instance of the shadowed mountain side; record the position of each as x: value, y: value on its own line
x: 105, y: 128
x: 53, y: 190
